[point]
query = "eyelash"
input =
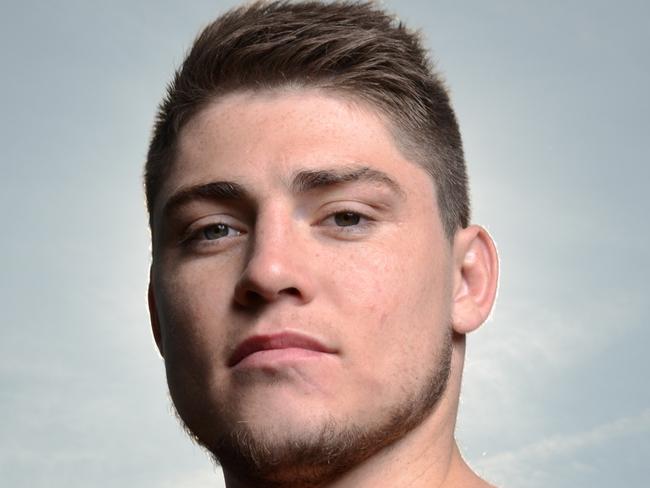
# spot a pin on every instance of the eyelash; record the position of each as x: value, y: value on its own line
x: 197, y: 236
x: 364, y: 222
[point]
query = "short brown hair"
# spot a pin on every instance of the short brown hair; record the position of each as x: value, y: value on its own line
x: 350, y: 48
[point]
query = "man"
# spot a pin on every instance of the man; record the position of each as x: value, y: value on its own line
x: 314, y: 272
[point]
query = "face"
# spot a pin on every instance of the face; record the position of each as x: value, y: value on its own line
x: 301, y: 277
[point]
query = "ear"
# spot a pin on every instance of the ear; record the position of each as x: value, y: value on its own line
x: 476, y: 272
x: 153, y: 316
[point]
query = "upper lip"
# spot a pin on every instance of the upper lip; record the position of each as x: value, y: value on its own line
x: 282, y: 340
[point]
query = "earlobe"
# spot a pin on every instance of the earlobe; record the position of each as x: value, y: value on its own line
x: 476, y: 271
x: 153, y: 317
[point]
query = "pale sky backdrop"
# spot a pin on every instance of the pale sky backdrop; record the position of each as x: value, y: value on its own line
x: 553, y: 100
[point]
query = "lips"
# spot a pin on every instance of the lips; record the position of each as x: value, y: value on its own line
x: 284, y: 340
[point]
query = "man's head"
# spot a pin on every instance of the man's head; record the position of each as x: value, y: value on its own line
x: 307, y: 296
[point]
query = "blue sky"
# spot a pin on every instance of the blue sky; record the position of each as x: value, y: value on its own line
x: 553, y: 104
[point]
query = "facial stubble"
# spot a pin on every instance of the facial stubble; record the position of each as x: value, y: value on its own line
x: 256, y: 458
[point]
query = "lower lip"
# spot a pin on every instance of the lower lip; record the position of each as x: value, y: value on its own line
x: 276, y: 357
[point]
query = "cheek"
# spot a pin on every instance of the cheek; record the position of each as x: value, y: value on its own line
x: 191, y: 303
x: 394, y: 301
x: 392, y: 278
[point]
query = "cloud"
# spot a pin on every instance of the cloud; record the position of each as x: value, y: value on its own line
x: 540, y: 463
x: 536, y: 369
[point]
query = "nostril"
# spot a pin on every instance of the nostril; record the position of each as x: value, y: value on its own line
x: 254, y: 298
x: 293, y: 291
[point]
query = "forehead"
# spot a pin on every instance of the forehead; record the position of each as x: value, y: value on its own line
x: 261, y: 138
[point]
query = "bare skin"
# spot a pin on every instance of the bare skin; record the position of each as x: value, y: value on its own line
x: 326, y: 236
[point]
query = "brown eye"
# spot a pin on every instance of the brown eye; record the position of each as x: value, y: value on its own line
x: 346, y: 219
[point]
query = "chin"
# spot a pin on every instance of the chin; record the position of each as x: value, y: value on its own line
x: 290, y: 451
x: 282, y: 435
x: 278, y: 440
x: 274, y: 415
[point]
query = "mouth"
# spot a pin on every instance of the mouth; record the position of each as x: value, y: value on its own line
x: 285, y: 345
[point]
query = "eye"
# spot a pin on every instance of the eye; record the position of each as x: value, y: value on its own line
x: 346, y: 219
x: 348, y: 223
x: 216, y: 231
x: 209, y: 234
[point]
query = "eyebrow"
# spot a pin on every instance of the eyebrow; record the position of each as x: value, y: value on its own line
x: 215, y: 190
x: 303, y: 181
x: 308, y: 180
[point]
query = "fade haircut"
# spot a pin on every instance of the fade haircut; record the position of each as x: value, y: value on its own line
x: 351, y: 49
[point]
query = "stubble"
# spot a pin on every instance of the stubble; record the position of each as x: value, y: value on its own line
x: 256, y: 458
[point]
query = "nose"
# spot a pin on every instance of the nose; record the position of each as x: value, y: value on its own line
x: 277, y: 267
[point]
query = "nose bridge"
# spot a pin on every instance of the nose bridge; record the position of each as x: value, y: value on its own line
x: 275, y: 262
x: 274, y: 233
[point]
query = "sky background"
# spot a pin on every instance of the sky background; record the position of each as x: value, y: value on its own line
x: 553, y: 101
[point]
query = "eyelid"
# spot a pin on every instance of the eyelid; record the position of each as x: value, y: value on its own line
x: 194, y: 229
x: 368, y: 219
x: 332, y: 215
x: 366, y: 210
